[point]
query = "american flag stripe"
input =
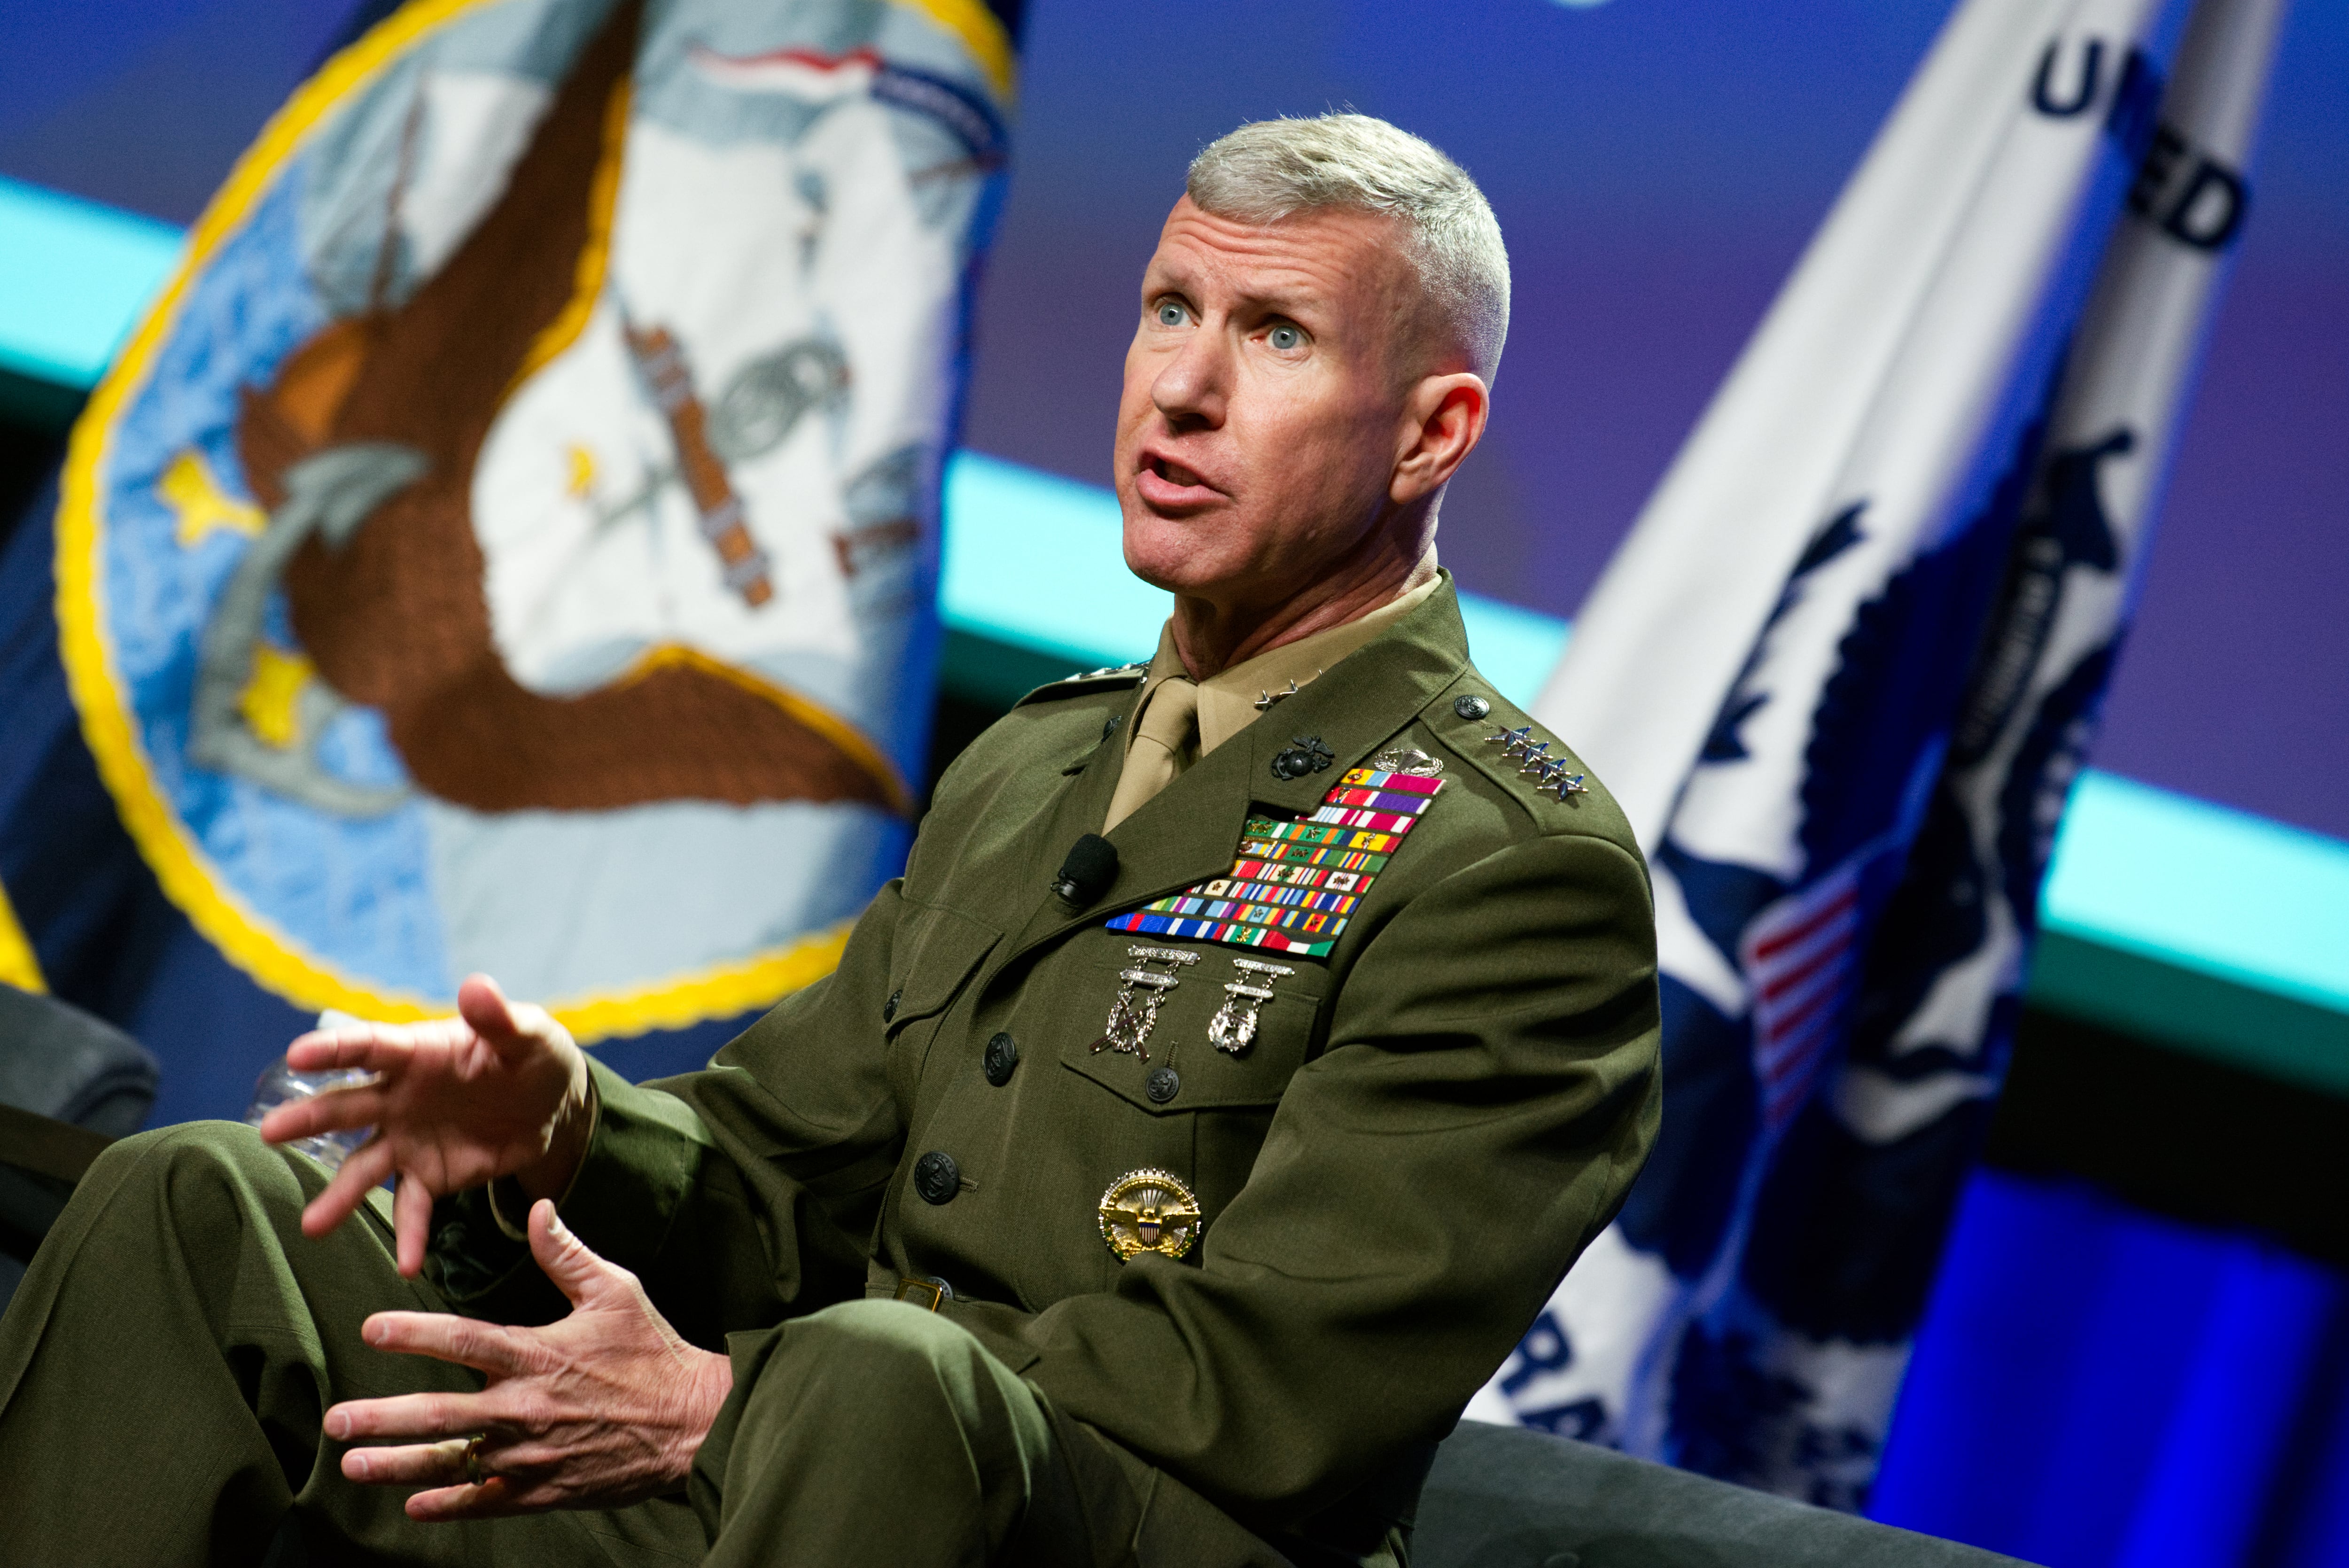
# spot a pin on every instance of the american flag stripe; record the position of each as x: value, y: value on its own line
x: 1800, y: 956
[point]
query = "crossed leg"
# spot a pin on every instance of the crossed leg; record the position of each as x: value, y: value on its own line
x: 167, y: 1362
x: 168, y: 1359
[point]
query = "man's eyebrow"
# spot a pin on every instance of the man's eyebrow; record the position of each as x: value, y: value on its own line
x: 1291, y: 303
x: 1274, y: 301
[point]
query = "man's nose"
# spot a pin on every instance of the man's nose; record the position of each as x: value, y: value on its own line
x: 1192, y: 388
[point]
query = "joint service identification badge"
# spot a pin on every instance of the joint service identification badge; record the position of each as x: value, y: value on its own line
x: 1149, y: 1210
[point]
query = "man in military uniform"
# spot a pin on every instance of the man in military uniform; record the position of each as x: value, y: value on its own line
x: 1252, y: 1041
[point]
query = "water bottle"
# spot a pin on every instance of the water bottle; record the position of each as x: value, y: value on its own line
x: 279, y: 1085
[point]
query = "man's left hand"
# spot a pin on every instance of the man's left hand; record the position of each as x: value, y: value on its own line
x: 604, y: 1408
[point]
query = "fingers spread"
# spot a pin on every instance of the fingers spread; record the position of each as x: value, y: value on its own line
x: 370, y: 1163
x: 484, y: 1347
x: 336, y: 1111
x: 412, y: 1223
x: 432, y: 1416
x: 505, y: 1026
x: 482, y: 1003
x: 497, y: 1495
x: 567, y: 1260
x: 423, y: 1464
x: 368, y: 1047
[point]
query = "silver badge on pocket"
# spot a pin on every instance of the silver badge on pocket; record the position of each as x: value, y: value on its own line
x: 1135, y: 1012
x: 1233, y: 1028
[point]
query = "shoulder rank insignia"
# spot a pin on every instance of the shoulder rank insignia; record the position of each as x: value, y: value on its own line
x: 1073, y: 686
x: 1294, y: 882
x: 1149, y: 1210
x: 1549, y: 774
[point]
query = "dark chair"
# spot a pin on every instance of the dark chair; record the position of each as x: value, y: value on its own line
x: 1504, y: 1497
x: 69, y: 1084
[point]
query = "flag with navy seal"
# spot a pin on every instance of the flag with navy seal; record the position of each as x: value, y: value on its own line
x: 511, y: 541
x: 1841, y: 676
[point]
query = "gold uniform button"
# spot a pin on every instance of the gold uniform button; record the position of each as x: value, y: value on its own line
x: 1149, y: 1210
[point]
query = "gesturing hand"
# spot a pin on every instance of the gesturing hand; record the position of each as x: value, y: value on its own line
x: 499, y: 1090
x: 601, y: 1409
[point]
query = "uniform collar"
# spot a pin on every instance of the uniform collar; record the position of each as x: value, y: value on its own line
x: 1228, y: 701
x: 1232, y: 699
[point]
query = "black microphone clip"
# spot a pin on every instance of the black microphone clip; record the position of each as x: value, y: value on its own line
x: 1085, y: 875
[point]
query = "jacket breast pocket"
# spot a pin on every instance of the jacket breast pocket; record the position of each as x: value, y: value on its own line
x: 936, y: 952
x: 1230, y: 1031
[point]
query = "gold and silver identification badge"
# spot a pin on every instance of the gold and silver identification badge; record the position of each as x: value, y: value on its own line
x: 1141, y: 992
x: 1233, y: 1028
x: 1149, y: 1210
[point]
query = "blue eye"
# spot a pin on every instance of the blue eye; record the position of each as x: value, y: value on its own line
x: 1170, y: 314
x: 1285, y: 338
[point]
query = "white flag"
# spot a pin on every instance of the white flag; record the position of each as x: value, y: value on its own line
x: 1841, y: 676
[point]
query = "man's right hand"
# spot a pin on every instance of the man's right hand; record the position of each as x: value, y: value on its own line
x: 499, y: 1090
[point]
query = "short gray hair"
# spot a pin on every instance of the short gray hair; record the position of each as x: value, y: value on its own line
x: 1271, y: 168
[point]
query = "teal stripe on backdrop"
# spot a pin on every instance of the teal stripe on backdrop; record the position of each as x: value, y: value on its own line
x: 1032, y: 575
x: 73, y: 275
x: 2224, y: 892
x: 1033, y: 559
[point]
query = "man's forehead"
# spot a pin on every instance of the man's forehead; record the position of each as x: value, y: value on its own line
x: 1301, y: 258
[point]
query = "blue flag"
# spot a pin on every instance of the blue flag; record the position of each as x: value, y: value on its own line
x: 510, y: 542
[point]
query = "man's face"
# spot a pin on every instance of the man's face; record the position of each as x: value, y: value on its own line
x: 1264, y: 404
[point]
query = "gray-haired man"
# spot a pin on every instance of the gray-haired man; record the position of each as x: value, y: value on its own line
x: 1161, y: 1205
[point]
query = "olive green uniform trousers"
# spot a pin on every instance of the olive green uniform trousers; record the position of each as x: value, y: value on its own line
x: 179, y: 1328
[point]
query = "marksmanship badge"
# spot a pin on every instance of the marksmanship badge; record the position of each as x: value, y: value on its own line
x: 1149, y: 1210
x: 1135, y: 1013
x: 1233, y: 1028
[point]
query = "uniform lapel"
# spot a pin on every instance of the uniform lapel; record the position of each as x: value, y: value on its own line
x: 1358, y: 705
x: 1188, y: 833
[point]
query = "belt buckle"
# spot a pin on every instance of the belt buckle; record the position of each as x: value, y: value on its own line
x: 925, y: 1294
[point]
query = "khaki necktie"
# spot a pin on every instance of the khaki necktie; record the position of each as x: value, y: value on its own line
x: 1164, y: 742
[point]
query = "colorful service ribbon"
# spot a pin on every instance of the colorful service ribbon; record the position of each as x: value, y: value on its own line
x: 1294, y: 883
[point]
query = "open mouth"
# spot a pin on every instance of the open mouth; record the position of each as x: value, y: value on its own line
x: 1164, y: 482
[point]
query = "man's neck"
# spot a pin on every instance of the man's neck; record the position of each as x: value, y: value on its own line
x: 1213, y: 637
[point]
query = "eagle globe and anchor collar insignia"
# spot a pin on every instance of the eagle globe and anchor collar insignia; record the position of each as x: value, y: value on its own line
x: 1304, y: 754
x: 1149, y: 1210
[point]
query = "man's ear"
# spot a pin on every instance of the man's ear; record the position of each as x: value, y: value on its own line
x: 1443, y: 418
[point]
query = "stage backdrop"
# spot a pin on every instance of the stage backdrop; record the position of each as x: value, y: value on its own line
x: 509, y: 543
x: 1658, y: 166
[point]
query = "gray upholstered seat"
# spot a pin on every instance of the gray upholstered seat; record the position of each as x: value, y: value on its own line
x: 1503, y: 1497
x: 58, y: 1062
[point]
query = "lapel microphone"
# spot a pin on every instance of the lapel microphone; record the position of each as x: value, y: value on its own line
x: 1086, y: 874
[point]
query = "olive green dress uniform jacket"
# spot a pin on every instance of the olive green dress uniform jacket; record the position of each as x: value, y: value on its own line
x: 1431, y: 1124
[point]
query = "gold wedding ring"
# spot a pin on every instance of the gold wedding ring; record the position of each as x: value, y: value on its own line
x: 473, y: 1471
